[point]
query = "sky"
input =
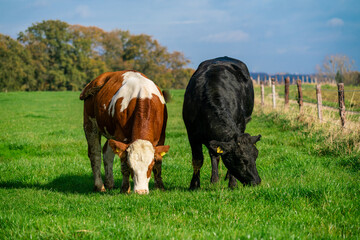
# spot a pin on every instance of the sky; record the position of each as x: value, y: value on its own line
x: 271, y: 36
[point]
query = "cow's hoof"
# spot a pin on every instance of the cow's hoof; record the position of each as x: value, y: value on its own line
x: 194, y: 185
x: 193, y: 188
x: 109, y: 186
x: 232, y: 184
x: 125, y: 189
x: 99, y: 189
x: 214, y: 179
x: 160, y: 186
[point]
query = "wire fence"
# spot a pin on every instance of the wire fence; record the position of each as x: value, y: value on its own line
x: 344, y: 115
x: 334, y: 90
x: 352, y: 106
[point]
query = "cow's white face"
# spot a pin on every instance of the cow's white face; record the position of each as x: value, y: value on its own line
x: 140, y: 156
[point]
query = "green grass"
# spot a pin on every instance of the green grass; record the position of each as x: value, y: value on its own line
x: 46, y: 183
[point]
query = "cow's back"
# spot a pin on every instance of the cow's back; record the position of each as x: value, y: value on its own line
x: 219, y: 94
x: 128, y: 106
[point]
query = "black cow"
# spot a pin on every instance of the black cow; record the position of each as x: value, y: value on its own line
x: 218, y: 103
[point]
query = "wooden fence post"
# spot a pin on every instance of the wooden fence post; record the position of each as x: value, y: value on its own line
x: 273, y: 92
x: 319, y: 101
x: 262, y: 93
x: 341, y: 103
x: 300, y: 96
x: 287, y: 85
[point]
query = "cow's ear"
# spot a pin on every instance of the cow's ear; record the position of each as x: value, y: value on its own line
x: 246, y: 138
x: 218, y: 147
x: 118, y: 148
x: 160, y: 151
x: 243, y: 139
x: 255, y: 139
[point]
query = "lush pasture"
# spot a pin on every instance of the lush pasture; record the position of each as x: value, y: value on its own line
x: 46, y: 183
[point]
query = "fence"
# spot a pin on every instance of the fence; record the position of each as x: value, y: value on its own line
x: 341, y: 98
x: 281, y: 78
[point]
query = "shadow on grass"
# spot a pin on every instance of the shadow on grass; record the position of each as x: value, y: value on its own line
x: 82, y: 184
x: 168, y: 187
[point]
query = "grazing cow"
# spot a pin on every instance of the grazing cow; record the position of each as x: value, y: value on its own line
x: 129, y: 110
x: 218, y: 103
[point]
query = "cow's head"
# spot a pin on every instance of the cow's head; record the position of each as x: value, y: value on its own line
x: 239, y: 156
x: 140, y: 157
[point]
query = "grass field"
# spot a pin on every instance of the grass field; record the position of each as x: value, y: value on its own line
x: 46, y: 183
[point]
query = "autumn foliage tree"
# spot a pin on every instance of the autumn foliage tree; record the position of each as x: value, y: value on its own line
x: 53, y: 55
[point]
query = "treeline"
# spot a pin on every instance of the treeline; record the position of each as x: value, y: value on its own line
x: 54, y: 55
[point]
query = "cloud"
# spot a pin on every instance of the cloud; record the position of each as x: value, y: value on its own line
x: 83, y: 11
x: 227, y: 37
x: 184, y: 22
x: 281, y: 51
x: 269, y: 34
x: 298, y: 49
x: 41, y: 3
x: 335, y: 22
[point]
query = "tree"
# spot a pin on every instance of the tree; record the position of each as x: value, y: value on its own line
x: 181, y: 75
x: 53, y: 55
x: 87, y: 51
x: 336, y: 68
x: 49, y: 42
x: 114, y: 44
x: 16, y: 71
x: 352, y: 78
x: 65, y: 57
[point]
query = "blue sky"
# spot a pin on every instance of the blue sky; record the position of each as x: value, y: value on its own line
x: 268, y: 35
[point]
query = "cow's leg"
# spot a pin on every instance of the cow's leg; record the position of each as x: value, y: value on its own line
x: 125, y: 171
x: 232, y: 180
x: 197, y: 162
x: 157, y: 175
x: 215, y: 167
x: 108, y: 156
x: 157, y: 166
x: 93, y: 138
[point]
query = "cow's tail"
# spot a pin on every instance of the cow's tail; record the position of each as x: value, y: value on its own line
x: 95, y: 85
x: 167, y: 95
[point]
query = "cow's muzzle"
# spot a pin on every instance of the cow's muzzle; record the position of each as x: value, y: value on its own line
x: 142, y: 192
x: 256, y: 182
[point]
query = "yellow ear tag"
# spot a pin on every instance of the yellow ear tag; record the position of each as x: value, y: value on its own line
x: 162, y: 154
x: 219, y: 150
x: 117, y: 150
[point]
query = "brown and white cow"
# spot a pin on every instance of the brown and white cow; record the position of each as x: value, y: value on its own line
x: 129, y: 110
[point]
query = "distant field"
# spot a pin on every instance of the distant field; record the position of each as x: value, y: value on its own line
x: 46, y: 183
